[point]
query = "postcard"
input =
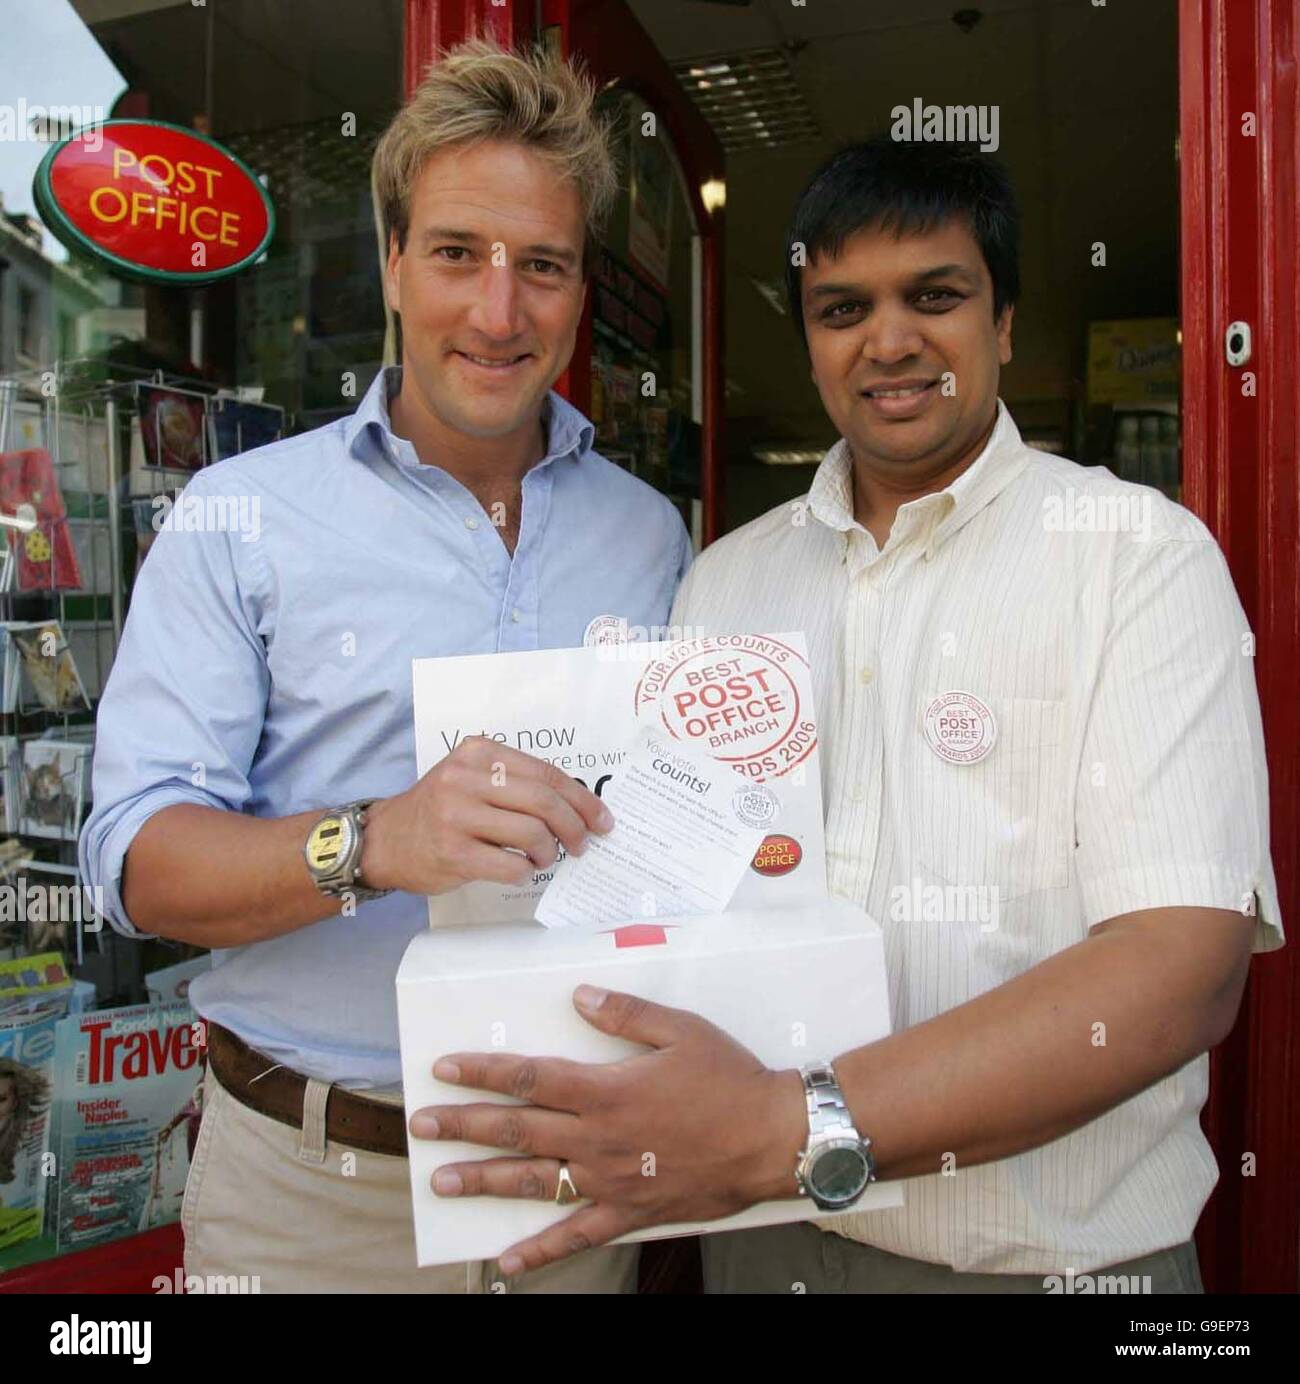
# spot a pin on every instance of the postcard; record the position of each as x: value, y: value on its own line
x: 172, y: 427
x: 686, y: 827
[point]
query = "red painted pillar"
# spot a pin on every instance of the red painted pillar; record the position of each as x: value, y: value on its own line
x: 1240, y: 211
x: 432, y: 25
x: 615, y: 48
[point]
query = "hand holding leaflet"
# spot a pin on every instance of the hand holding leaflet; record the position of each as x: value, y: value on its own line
x: 685, y: 828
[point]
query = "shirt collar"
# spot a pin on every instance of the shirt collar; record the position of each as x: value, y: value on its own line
x: 568, y: 432
x: 830, y: 498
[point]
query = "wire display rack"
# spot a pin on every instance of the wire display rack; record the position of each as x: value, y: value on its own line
x: 69, y: 552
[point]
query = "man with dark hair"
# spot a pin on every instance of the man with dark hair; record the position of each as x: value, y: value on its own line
x: 1044, y: 777
x: 909, y: 189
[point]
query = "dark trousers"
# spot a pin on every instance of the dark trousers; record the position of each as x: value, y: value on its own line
x: 799, y: 1258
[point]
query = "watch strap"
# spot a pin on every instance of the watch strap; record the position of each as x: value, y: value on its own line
x: 828, y: 1112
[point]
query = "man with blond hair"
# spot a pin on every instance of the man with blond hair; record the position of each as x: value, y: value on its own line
x: 254, y: 775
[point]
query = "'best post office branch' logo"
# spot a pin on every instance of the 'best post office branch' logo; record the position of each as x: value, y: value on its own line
x: 960, y: 727
x: 737, y: 698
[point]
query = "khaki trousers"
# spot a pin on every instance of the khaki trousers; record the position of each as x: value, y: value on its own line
x: 301, y: 1214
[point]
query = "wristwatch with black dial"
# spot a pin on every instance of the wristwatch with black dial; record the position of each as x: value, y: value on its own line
x: 333, y: 853
x: 836, y: 1166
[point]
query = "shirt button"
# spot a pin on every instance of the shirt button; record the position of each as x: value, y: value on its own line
x: 865, y: 675
x: 515, y: 616
x: 471, y: 523
x: 858, y: 793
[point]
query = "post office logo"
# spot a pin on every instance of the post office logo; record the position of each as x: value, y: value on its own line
x: 960, y: 727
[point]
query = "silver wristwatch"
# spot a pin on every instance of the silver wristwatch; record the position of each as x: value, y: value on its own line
x: 333, y: 853
x: 835, y: 1167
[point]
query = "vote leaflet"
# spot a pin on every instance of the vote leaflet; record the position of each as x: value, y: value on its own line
x: 745, y: 701
x: 684, y: 832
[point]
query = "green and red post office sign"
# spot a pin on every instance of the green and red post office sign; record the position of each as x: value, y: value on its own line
x: 154, y: 201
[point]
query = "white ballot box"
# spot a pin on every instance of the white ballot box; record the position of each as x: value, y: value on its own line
x: 794, y: 985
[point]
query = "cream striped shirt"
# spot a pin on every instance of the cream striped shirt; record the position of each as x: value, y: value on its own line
x: 1122, y: 768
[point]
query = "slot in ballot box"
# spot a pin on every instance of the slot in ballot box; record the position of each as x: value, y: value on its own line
x: 794, y: 985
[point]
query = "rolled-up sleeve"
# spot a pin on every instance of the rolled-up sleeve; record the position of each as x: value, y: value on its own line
x: 183, y: 709
x: 1172, y: 800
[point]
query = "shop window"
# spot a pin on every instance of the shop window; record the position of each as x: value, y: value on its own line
x: 644, y: 394
x: 162, y: 379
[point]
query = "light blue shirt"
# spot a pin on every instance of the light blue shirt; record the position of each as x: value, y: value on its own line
x: 265, y: 668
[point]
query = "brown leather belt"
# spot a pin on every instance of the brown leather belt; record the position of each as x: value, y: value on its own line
x: 256, y: 1081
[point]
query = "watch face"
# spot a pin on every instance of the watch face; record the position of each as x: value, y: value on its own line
x: 329, y: 842
x: 839, y: 1174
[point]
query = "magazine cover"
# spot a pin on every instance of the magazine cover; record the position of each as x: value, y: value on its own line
x: 34, y: 995
x: 130, y: 1098
x: 40, y: 650
x: 239, y: 425
x: 31, y: 983
x: 171, y: 427
x: 44, y: 556
x: 53, y: 788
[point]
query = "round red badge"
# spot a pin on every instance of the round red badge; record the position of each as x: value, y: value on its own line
x: 960, y: 727
x: 778, y: 855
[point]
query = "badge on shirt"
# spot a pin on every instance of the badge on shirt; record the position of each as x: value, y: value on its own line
x: 960, y: 727
x: 606, y: 629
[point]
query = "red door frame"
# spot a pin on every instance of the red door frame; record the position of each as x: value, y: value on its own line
x: 614, y: 47
x: 1240, y: 211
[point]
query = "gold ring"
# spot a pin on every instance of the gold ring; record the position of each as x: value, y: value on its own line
x: 566, y: 1193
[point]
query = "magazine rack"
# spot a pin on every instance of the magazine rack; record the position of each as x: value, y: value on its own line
x: 86, y: 447
x: 80, y: 475
x: 61, y: 600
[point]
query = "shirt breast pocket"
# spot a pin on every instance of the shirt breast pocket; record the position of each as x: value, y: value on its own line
x: 1001, y: 822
